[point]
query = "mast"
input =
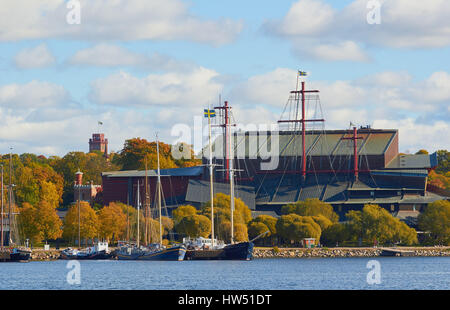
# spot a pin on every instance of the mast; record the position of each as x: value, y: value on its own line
x: 2, y: 240
x: 211, y: 189
x: 159, y: 192
x: 231, y: 175
x: 146, y: 204
x: 303, y: 120
x: 138, y: 211
x: 10, y: 196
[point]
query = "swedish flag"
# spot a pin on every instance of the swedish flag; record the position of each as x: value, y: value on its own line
x: 209, y: 113
x: 302, y: 73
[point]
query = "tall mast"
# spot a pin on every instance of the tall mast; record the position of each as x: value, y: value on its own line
x: 159, y: 191
x: 211, y: 189
x: 10, y: 196
x: 146, y: 204
x: 303, y: 120
x: 138, y: 211
x: 231, y: 175
x: 2, y: 240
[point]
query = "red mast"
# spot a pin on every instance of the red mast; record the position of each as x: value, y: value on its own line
x: 355, y: 150
x: 303, y: 120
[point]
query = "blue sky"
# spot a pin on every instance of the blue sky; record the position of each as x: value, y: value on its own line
x: 145, y: 66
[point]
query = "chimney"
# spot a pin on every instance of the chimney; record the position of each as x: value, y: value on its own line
x: 79, y: 178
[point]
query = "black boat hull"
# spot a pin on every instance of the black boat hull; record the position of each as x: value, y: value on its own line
x: 15, y: 256
x: 238, y: 251
x: 99, y: 255
x: 172, y: 254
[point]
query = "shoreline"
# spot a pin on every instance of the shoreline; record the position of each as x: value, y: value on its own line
x: 261, y: 253
x: 269, y: 252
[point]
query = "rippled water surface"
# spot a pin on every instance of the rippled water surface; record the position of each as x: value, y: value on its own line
x: 317, y: 273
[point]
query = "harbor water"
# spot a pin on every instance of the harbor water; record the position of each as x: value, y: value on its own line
x: 260, y: 274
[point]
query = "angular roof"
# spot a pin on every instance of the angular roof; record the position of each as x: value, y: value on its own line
x: 174, y: 172
x: 199, y: 191
x: 318, y: 143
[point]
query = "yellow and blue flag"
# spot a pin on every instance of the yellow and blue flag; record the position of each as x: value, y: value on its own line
x: 302, y: 73
x: 209, y: 113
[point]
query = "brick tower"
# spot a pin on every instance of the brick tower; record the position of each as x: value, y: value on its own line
x: 98, y: 143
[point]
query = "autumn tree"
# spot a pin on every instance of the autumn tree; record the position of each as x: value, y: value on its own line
x: 194, y: 226
x: 48, y: 222
x: 112, y: 221
x: 183, y: 211
x: 88, y: 222
x: 27, y: 218
x: 136, y: 150
x: 436, y: 220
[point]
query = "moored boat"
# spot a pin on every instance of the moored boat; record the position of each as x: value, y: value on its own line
x: 98, y: 251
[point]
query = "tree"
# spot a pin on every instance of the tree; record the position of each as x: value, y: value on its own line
x: 374, y: 223
x: 222, y: 215
x: 27, y: 218
x: 311, y: 207
x: 112, y: 221
x: 48, y: 222
x: 134, y: 152
x: 335, y: 234
x: 194, y: 226
x: 436, y: 220
x: 294, y: 228
x: 183, y: 211
x: 323, y: 221
x: 88, y: 222
x: 422, y: 152
x: 261, y: 224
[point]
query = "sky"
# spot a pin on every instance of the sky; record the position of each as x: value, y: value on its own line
x: 143, y: 67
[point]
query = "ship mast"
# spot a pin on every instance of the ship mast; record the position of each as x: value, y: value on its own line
x: 159, y: 191
x: 138, y: 211
x: 2, y: 240
x: 10, y: 196
x: 146, y: 203
x: 211, y: 168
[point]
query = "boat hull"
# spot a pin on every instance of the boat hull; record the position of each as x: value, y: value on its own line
x: 238, y: 251
x: 172, y: 254
x: 16, y: 256
x: 99, y: 255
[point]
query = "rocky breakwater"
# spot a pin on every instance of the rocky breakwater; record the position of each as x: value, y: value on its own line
x: 339, y: 252
x: 42, y: 255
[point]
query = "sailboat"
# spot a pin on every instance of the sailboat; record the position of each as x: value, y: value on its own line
x: 14, y: 252
x: 213, y: 249
x: 131, y: 251
x: 154, y: 251
x: 157, y: 251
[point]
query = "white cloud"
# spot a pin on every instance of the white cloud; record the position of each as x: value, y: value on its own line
x: 321, y: 32
x: 112, y: 20
x: 341, y: 51
x: 180, y: 89
x: 34, y: 94
x: 35, y: 57
x: 109, y: 55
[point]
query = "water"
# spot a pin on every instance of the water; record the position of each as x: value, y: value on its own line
x: 260, y: 274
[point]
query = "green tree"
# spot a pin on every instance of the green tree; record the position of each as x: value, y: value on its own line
x: 374, y: 223
x: 293, y: 228
x: 311, y: 207
x: 336, y: 234
x: 436, y: 220
x: 261, y: 224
